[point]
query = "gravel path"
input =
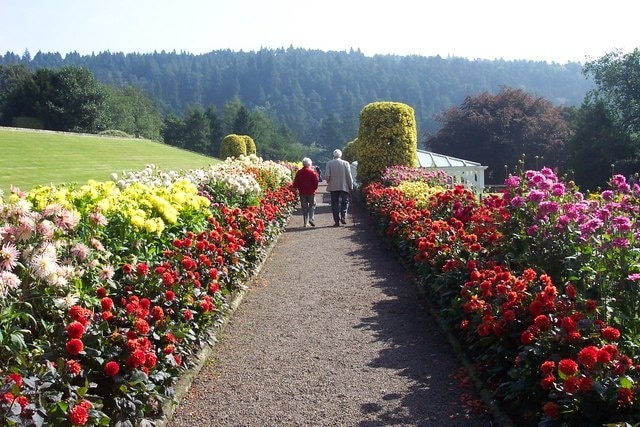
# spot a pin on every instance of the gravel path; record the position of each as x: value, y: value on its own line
x: 331, y: 333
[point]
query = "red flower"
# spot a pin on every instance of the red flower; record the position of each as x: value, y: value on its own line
x: 169, y: 295
x: 610, y: 334
x: 551, y: 410
x: 188, y: 315
x: 542, y: 321
x: 106, y: 303
x: 22, y: 401
x: 74, y: 346
x: 547, y: 367
x: 526, y: 337
x: 75, y: 330
x: 73, y: 367
x: 571, y: 385
x: 101, y: 292
x: 571, y: 291
x: 112, y: 368
x: 142, y: 269
x: 547, y: 382
x: 136, y: 359
x: 16, y: 378
x: 142, y: 327
x: 150, y: 360
x: 625, y: 397
x: 604, y: 356
x: 590, y: 306
x: 568, y: 367
x: 586, y: 384
x: 157, y: 313
x: 78, y: 415
x: 588, y: 356
x: 80, y: 314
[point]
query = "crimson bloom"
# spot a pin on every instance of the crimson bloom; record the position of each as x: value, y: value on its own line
x: 111, y: 368
x: 568, y: 367
x: 78, y: 415
x: 74, y: 346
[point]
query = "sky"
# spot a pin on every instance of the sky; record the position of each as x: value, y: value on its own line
x: 543, y: 30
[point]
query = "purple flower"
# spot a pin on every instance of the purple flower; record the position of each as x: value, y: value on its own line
x: 621, y: 223
x: 536, y: 196
x: 620, y: 243
x: 518, y: 201
x: 634, y: 277
x: 512, y: 181
x: 557, y: 189
x: 532, y: 230
x: 607, y: 195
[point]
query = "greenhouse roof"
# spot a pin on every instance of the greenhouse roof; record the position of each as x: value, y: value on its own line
x: 429, y: 159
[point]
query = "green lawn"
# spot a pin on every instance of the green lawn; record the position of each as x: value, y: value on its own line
x: 31, y: 158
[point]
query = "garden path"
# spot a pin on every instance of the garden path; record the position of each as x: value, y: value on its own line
x: 331, y: 333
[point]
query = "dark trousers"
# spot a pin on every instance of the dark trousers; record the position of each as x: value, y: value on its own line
x: 339, y: 205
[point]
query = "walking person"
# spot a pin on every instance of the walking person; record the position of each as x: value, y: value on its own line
x: 306, y: 182
x: 339, y: 184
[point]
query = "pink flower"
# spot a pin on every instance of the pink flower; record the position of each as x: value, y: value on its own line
x: 8, y: 256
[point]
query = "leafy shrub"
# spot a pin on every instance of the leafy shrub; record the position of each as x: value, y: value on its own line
x: 233, y: 146
x: 387, y: 136
x: 114, y: 132
x: 250, y: 144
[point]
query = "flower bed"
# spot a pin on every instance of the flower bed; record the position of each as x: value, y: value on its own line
x: 538, y: 284
x: 109, y: 290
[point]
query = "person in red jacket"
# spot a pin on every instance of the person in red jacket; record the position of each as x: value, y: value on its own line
x: 306, y: 182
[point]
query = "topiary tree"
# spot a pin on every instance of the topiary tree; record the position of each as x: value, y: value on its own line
x: 250, y: 144
x: 232, y: 145
x: 387, y: 136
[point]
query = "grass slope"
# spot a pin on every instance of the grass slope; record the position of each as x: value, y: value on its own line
x: 30, y: 158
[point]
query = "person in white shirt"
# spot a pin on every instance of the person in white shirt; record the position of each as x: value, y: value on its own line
x: 339, y: 184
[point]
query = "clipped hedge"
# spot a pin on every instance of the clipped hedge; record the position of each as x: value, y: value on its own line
x: 387, y: 136
x: 250, y: 144
x: 233, y: 145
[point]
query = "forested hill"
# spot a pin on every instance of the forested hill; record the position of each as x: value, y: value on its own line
x: 316, y: 92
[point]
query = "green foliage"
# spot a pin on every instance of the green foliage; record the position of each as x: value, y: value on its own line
x: 617, y: 77
x: 596, y: 146
x: 387, y: 137
x: 250, y: 144
x: 132, y: 111
x: 27, y: 122
x: 307, y: 90
x: 233, y: 146
x: 350, y: 151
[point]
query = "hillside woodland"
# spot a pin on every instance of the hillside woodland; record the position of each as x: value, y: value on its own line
x: 296, y: 102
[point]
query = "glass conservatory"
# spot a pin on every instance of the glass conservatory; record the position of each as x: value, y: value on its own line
x: 466, y: 172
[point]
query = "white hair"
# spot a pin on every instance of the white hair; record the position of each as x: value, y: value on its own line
x: 306, y: 161
x: 337, y: 154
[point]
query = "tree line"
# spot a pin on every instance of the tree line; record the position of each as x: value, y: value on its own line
x: 316, y: 94
x: 586, y: 127
x: 513, y: 129
x: 71, y: 99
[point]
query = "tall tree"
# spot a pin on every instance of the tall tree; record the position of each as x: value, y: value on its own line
x: 617, y: 78
x: 216, y: 126
x: 173, y: 130
x: 132, y: 111
x: 497, y: 130
x: 197, y: 132
x: 12, y: 77
x: 598, y: 147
